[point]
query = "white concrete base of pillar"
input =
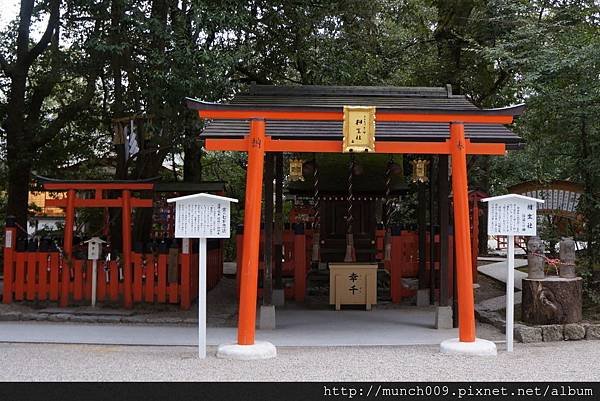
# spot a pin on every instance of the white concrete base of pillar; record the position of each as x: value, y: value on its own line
x: 479, y: 347
x: 423, y: 297
x: 266, y: 320
x: 443, y: 317
x: 258, y: 350
x: 278, y: 297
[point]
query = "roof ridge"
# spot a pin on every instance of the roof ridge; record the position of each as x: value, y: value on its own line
x: 325, y: 90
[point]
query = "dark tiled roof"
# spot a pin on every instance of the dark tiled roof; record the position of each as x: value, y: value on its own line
x: 406, y: 99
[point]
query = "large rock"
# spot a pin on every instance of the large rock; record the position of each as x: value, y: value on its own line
x: 574, y: 331
x: 528, y: 334
x: 592, y: 332
x: 552, y: 332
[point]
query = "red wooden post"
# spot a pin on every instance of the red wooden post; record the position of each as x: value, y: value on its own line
x: 43, y: 273
x: 21, y: 260
x: 161, y: 290
x: 31, y: 274
x: 249, y: 266
x: 68, y: 248
x: 396, y: 269
x: 54, y: 276
x: 136, y: 258
x: 239, y: 243
x: 10, y: 239
x: 186, y: 302
x: 78, y: 280
x: 149, y: 284
x: 300, y: 261
x: 464, y: 272
x: 114, y: 281
x: 127, y: 293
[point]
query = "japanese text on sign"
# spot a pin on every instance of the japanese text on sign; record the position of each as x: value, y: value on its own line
x: 202, y: 218
x: 512, y: 217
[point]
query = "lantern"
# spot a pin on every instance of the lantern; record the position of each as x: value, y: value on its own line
x: 296, y: 170
x: 420, y: 170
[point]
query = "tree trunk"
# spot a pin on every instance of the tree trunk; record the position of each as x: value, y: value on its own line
x: 552, y: 300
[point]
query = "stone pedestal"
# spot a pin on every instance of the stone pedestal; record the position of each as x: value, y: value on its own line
x: 258, y: 350
x: 552, y: 300
x: 443, y: 317
x: 423, y: 297
x: 479, y: 347
x: 267, y: 319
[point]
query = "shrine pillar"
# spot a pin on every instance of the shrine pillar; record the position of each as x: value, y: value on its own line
x: 249, y: 268
x: 466, y: 343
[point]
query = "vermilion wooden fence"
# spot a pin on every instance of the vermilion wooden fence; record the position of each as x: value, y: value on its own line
x: 32, y: 275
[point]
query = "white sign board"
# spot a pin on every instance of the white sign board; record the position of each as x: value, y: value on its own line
x: 512, y: 215
x: 201, y: 216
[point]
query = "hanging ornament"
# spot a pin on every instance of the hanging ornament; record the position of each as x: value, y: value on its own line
x: 296, y: 170
x: 420, y: 170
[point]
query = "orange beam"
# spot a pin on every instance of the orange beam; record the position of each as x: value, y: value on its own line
x: 63, y: 186
x: 464, y: 274
x: 329, y: 146
x: 339, y: 116
x: 80, y: 203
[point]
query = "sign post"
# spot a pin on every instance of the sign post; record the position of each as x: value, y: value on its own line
x: 202, y: 216
x: 94, y: 252
x: 511, y: 215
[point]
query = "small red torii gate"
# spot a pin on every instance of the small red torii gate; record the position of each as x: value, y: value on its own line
x: 126, y: 202
x: 256, y: 143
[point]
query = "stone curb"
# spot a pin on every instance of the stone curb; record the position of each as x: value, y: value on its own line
x: 108, y: 319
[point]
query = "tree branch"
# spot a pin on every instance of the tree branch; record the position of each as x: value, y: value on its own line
x: 40, y: 46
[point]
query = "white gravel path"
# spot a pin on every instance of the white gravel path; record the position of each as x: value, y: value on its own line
x: 564, y: 361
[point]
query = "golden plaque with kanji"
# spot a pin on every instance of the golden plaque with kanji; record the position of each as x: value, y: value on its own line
x: 359, y: 129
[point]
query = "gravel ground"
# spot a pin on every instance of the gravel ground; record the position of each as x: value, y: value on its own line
x: 564, y: 361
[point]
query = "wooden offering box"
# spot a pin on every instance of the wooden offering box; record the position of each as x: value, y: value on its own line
x: 352, y: 284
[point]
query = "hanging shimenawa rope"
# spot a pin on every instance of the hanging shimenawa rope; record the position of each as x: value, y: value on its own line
x: 388, y: 198
x: 387, y: 247
x: 350, y: 252
x: 317, y: 221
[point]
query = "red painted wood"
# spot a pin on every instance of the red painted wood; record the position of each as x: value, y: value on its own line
x: 87, y: 280
x: 299, y: 267
x: 43, y: 273
x: 31, y: 274
x: 102, y: 289
x: 21, y: 261
x: 113, y: 286
x: 78, y: 280
x: 64, y: 186
x: 194, y: 280
x: 136, y: 259
x: 54, y: 276
x: 173, y: 288
x: 185, y: 281
x: 126, y: 232
x: 149, y: 283
x: 161, y: 288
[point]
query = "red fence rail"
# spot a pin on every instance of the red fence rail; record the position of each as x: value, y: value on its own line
x: 156, y: 277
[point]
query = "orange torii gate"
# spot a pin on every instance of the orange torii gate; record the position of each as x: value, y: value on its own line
x: 256, y: 142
